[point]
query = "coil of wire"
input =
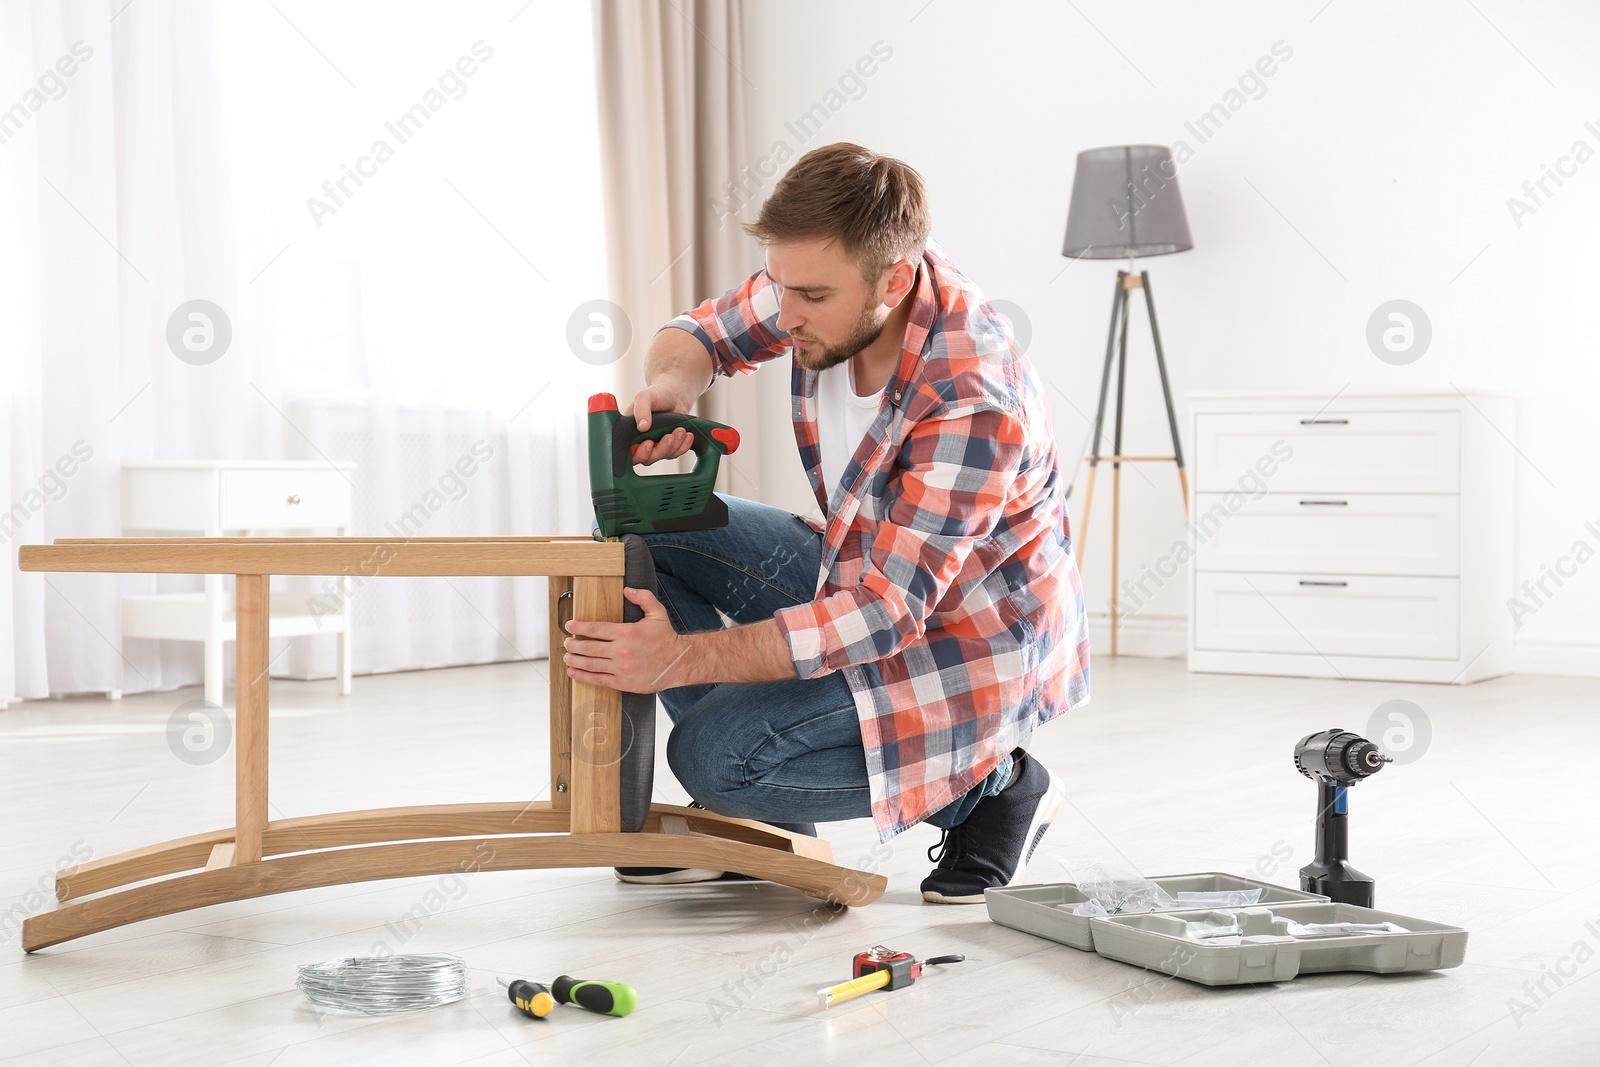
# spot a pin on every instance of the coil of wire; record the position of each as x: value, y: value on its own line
x: 384, y: 985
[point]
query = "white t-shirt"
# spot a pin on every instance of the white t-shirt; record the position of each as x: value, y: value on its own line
x: 843, y: 419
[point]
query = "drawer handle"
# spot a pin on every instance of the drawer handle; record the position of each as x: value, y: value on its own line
x: 1324, y: 422
x: 1337, y: 585
x: 1324, y: 503
x: 294, y: 498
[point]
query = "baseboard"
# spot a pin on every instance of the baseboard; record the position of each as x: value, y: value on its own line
x: 1577, y: 659
x: 332, y: 676
x: 1149, y: 636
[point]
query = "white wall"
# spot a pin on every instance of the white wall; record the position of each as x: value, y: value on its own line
x: 1374, y: 164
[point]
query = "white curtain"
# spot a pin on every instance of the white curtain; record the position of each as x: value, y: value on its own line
x: 674, y: 116
x: 210, y: 151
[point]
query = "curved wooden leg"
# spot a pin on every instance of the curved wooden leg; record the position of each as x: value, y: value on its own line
x: 379, y: 825
x: 310, y: 870
x: 334, y: 830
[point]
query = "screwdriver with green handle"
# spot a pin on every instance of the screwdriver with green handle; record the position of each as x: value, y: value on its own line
x: 537, y: 1001
x: 602, y: 998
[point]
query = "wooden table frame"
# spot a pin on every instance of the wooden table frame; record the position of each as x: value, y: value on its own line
x: 579, y: 826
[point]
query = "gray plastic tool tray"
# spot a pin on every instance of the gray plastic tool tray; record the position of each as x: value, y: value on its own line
x: 1266, y: 953
x: 1046, y: 910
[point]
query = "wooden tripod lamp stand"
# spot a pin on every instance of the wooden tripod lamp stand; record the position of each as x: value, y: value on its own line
x: 1125, y: 202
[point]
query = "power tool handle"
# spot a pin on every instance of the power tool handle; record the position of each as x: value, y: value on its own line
x: 625, y: 434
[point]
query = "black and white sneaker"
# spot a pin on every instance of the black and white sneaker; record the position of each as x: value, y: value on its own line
x: 992, y: 847
x: 688, y: 875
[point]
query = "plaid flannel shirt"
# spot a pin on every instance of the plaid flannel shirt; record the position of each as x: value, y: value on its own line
x: 948, y: 593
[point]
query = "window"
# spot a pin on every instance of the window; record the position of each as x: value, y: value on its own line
x: 417, y: 197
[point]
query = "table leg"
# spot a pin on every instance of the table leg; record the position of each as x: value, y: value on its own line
x: 560, y: 698
x: 215, y: 595
x: 596, y: 723
x: 345, y: 650
x: 250, y: 715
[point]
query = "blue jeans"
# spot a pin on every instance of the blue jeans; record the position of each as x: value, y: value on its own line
x: 780, y: 752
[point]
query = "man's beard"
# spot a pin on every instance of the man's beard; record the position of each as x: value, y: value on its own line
x: 866, y: 330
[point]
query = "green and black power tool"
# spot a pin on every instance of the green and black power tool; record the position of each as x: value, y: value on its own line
x: 628, y: 505
x: 628, y: 502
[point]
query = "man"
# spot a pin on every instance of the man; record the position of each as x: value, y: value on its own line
x: 892, y: 661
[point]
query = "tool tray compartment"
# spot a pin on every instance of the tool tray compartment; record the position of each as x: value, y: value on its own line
x: 1045, y: 910
x: 1265, y: 951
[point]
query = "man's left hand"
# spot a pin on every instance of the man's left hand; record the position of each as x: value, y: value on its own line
x: 634, y: 657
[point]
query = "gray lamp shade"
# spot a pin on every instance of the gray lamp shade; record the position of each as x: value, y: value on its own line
x: 1125, y: 202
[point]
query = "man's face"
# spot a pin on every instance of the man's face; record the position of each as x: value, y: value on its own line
x: 824, y: 304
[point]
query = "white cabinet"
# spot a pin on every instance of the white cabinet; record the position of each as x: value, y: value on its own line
x: 212, y: 499
x: 1352, y: 536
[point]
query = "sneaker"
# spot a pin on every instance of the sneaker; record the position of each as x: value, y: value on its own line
x: 687, y: 875
x: 992, y: 847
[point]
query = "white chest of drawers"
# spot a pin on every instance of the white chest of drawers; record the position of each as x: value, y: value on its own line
x: 216, y: 498
x: 1352, y: 536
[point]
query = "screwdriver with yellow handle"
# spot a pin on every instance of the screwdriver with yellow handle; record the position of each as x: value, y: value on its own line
x: 532, y: 999
x: 880, y: 968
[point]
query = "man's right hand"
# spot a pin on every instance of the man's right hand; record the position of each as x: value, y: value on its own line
x: 659, y: 398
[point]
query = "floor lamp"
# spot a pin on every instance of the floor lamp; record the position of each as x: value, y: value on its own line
x: 1125, y: 203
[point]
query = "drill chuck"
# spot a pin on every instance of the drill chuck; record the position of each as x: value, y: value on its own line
x: 1338, y: 755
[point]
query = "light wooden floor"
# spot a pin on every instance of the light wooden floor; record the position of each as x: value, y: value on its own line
x: 1493, y: 828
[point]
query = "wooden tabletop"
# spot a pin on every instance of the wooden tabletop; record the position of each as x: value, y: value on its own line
x: 365, y: 556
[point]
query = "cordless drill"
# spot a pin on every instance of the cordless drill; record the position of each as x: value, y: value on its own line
x: 1336, y: 760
